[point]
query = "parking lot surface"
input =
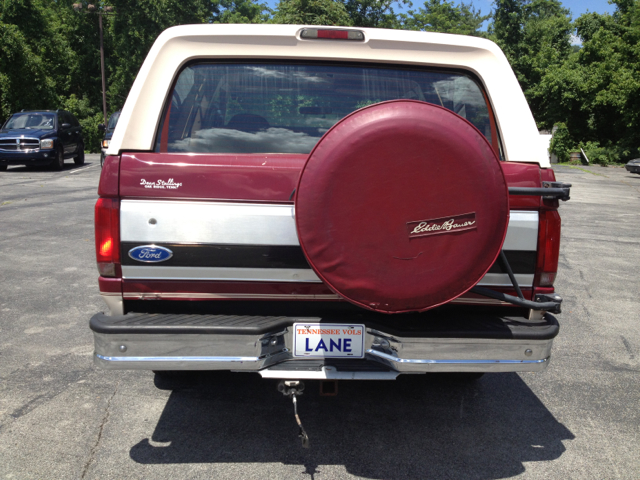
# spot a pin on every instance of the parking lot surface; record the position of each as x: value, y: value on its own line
x: 62, y: 418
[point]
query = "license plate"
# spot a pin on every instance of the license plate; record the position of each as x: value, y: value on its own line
x: 328, y: 340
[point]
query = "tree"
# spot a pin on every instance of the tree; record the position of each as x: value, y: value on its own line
x: 535, y: 35
x: 374, y: 13
x: 24, y: 82
x: 597, y: 90
x: 240, y: 11
x: 133, y: 30
x: 443, y: 16
x: 36, y: 56
x: 311, y: 12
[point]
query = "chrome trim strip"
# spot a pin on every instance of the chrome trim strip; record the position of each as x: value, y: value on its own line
x: 273, y: 296
x: 143, y: 272
x: 420, y: 361
x: 502, y: 280
x: 157, y: 272
x: 179, y: 359
x: 231, y: 296
x: 478, y: 301
x: 252, y: 224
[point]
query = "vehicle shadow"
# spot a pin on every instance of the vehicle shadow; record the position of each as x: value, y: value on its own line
x: 68, y: 166
x: 415, y: 427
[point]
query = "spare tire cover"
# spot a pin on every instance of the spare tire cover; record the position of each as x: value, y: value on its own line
x: 402, y: 206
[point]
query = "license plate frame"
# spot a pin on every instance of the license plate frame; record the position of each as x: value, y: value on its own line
x: 307, y: 338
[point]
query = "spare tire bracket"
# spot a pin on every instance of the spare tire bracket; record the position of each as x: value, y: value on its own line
x: 549, y: 190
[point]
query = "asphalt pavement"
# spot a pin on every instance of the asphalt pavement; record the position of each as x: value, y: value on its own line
x: 60, y: 417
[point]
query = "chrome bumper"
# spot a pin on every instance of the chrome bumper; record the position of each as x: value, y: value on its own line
x: 270, y: 353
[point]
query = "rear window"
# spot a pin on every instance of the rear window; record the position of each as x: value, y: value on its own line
x: 286, y: 108
x: 113, y: 121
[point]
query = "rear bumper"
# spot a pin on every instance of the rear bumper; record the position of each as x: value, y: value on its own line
x: 264, y: 345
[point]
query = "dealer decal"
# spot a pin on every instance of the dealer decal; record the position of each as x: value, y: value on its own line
x: 435, y: 226
x: 161, y: 184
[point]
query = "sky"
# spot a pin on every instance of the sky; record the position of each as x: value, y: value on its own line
x: 577, y: 7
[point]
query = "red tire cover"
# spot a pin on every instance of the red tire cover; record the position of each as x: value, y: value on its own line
x: 402, y: 206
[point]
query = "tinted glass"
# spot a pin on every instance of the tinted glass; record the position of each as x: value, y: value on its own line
x: 113, y: 121
x: 269, y: 108
x: 32, y: 121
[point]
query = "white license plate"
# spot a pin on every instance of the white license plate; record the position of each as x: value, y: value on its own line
x: 328, y: 340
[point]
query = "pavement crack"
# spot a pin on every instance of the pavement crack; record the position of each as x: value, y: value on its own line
x: 627, y: 345
x: 105, y: 419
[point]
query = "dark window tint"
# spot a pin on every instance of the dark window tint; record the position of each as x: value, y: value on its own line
x: 113, y: 121
x: 272, y: 108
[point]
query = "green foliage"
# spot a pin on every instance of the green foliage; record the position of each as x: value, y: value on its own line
x: 24, y: 83
x: 596, y: 91
x: 443, y: 16
x: 311, y: 12
x: 606, y: 155
x: 535, y: 35
x: 374, y: 13
x: 133, y: 31
x: 562, y: 144
x: 89, y: 116
x: 240, y: 11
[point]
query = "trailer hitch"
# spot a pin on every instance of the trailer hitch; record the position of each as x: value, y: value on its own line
x: 293, y: 388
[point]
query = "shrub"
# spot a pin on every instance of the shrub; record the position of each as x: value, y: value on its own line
x: 605, y: 155
x: 562, y: 144
x: 89, y: 119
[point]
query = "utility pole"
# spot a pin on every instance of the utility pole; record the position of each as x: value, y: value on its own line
x: 92, y: 9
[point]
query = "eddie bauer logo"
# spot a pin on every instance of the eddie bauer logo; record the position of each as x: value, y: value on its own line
x: 453, y: 223
x: 170, y: 184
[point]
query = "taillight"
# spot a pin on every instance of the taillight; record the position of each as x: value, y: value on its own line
x: 107, y: 224
x: 548, y: 248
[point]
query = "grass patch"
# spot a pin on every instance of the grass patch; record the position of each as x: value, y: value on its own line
x: 567, y: 164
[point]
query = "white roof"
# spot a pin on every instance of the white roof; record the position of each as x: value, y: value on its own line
x: 179, y: 45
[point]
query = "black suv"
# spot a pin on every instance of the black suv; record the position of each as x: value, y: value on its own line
x: 41, y: 137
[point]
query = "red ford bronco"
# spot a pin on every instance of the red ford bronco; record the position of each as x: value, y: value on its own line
x: 326, y: 203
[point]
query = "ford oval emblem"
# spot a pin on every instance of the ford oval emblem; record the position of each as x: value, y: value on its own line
x: 150, y: 254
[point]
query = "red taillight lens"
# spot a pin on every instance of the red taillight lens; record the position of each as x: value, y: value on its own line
x: 548, y: 248
x: 107, y: 223
x: 332, y: 34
